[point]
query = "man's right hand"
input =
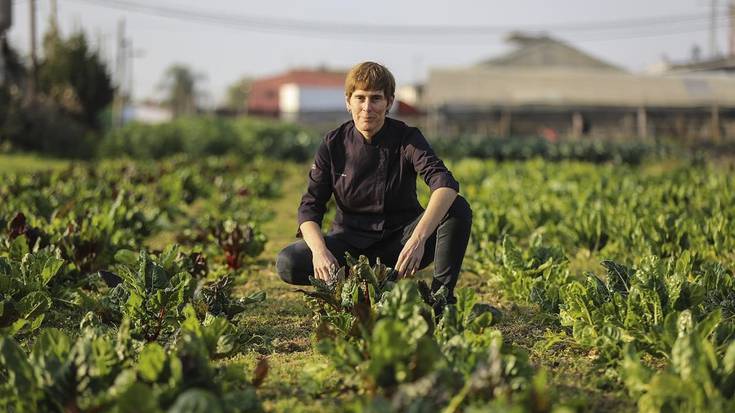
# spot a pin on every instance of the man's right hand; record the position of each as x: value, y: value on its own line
x: 322, y: 258
x: 324, y: 262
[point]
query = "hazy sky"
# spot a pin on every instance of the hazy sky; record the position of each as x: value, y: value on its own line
x: 256, y: 38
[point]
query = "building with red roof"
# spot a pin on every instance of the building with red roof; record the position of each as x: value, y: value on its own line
x: 303, y: 94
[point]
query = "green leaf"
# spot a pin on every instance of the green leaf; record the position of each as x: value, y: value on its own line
x: 196, y: 401
x: 137, y: 398
x: 151, y: 362
x: 51, y: 342
x: 729, y: 360
x: 34, y: 304
x: 20, y: 374
x: 512, y: 257
x: 126, y: 257
x: 18, y: 248
x: 256, y: 297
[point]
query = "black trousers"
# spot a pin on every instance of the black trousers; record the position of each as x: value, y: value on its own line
x: 446, y: 248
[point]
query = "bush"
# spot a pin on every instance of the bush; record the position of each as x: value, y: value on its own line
x: 41, y: 127
x: 211, y: 136
x: 520, y: 148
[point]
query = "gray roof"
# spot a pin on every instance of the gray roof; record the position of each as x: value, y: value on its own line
x: 545, y: 52
x: 487, y: 87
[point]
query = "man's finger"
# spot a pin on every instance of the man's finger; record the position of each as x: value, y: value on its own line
x: 399, y: 264
x: 403, y: 267
x: 401, y: 258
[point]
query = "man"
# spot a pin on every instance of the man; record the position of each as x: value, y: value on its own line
x: 370, y: 165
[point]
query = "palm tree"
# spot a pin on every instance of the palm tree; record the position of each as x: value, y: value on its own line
x: 180, y: 85
x: 237, y: 95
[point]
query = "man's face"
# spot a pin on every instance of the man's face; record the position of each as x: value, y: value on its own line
x: 368, y: 108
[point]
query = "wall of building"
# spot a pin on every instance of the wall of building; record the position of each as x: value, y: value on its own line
x: 296, y: 98
x: 593, y: 123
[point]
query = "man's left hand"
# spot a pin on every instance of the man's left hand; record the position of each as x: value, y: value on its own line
x: 410, y: 257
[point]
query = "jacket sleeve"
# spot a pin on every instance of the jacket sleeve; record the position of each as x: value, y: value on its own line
x: 319, y: 189
x: 427, y: 164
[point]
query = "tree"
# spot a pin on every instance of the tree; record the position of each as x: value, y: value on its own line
x: 238, y: 94
x: 180, y: 86
x: 13, y: 70
x: 74, y: 76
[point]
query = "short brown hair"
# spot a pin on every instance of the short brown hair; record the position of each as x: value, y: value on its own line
x: 370, y: 76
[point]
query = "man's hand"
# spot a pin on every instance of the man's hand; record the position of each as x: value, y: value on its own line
x: 409, y: 259
x: 323, y: 261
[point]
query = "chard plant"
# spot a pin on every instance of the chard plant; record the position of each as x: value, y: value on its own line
x: 642, y: 305
x: 152, y: 293
x: 383, y: 335
x: 99, y: 372
x: 536, y: 277
x: 698, y: 377
x: 237, y: 241
x: 25, y: 293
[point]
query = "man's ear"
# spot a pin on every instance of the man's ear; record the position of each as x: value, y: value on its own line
x: 390, y: 104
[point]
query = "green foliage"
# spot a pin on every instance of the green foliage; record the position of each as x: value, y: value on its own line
x: 664, y: 239
x: 154, y: 293
x: 699, y: 378
x: 99, y: 372
x: 180, y: 86
x: 25, y: 296
x: 40, y: 126
x: 631, y: 152
x: 536, y: 278
x: 75, y: 77
x: 386, y: 333
x: 152, y: 297
x: 238, y: 94
x: 199, y: 136
x: 91, y: 212
x: 238, y: 241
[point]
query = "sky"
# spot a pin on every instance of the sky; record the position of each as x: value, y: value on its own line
x: 224, y: 40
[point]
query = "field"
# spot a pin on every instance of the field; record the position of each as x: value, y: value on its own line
x: 128, y: 282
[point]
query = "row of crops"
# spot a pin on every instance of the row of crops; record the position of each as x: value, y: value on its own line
x: 634, y: 263
x: 117, y: 287
x: 93, y: 318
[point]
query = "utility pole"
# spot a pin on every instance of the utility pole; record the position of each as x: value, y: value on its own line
x: 129, y: 60
x: 120, y: 66
x: 713, y: 30
x: 731, y: 35
x: 55, y: 14
x: 33, y: 81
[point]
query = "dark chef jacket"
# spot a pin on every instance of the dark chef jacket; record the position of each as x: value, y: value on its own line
x: 374, y: 184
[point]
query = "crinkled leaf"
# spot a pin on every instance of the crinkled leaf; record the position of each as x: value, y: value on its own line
x: 196, y: 401
x: 151, y: 362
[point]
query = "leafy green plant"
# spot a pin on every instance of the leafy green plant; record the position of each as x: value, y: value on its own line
x: 538, y: 277
x: 238, y: 241
x: 698, y: 378
x: 99, y: 372
x: 153, y: 291
x: 25, y: 296
x: 386, y: 333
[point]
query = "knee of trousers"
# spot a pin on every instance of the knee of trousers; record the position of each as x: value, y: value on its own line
x: 460, y: 209
x: 284, y: 266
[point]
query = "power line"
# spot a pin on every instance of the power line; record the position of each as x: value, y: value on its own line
x: 647, y: 26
